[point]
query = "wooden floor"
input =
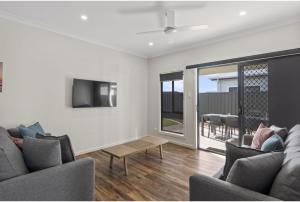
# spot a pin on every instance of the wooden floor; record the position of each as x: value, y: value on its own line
x: 151, y: 178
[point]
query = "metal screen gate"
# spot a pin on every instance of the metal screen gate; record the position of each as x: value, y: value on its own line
x: 253, y: 96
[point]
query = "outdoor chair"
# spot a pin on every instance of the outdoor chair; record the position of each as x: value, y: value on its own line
x: 231, y: 123
x: 214, y: 122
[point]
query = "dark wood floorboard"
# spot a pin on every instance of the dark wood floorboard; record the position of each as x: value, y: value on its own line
x: 151, y: 178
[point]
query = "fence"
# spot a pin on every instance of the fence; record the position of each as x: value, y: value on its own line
x: 218, y: 103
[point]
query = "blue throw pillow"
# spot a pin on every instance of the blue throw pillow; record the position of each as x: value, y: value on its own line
x: 27, y: 132
x: 273, y: 143
x: 31, y: 131
x: 37, y: 127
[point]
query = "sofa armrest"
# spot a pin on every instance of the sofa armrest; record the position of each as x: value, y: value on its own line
x: 205, y: 188
x: 71, y: 181
x: 247, y: 139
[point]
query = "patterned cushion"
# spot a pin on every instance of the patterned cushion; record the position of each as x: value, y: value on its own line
x: 282, y: 132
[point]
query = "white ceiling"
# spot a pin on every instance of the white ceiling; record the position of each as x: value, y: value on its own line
x: 114, y: 24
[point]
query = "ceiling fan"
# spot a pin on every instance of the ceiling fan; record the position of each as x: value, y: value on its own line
x: 170, y: 26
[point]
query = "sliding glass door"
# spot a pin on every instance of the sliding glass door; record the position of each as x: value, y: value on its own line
x: 232, y: 101
x: 217, y: 107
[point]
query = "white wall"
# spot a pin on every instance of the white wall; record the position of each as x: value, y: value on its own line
x: 224, y: 84
x: 276, y: 39
x: 38, y: 70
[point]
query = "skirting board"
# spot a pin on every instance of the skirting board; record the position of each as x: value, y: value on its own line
x: 93, y: 149
x: 183, y: 144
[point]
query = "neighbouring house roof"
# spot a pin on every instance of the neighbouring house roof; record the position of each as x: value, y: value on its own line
x: 234, y: 75
x: 229, y: 75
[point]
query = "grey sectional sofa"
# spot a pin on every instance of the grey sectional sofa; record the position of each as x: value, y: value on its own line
x: 286, y: 185
x: 71, y: 181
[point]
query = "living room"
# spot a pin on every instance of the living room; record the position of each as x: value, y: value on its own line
x: 132, y: 142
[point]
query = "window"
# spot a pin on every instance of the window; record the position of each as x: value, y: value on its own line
x: 172, y: 102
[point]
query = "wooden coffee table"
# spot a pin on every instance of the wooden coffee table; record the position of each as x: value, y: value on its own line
x: 126, y: 149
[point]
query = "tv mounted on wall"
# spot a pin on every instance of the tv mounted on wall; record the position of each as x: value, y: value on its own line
x: 87, y: 93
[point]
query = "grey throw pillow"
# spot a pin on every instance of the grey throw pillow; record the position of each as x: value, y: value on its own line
x: 11, y: 160
x: 15, y: 132
x: 67, y: 154
x: 234, y: 153
x: 40, y: 154
x: 256, y: 173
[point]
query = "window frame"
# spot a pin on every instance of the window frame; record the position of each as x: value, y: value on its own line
x: 173, y: 108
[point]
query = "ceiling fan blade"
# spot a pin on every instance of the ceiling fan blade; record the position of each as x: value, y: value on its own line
x: 150, y: 32
x: 191, y: 28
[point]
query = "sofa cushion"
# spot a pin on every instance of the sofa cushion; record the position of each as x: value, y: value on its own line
x: 40, y: 154
x: 286, y: 185
x: 37, y: 127
x: 273, y: 143
x: 15, y: 132
x: 233, y: 153
x: 6, y: 169
x: 32, y: 130
x: 257, y: 172
x: 12, y: 154
x: 260, y: 136
x: 282, y: 132
x: 67, y: 154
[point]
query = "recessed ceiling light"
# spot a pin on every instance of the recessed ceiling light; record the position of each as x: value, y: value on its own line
x: 84, y: 17
x: 150, y: 43
x: 242, y: 13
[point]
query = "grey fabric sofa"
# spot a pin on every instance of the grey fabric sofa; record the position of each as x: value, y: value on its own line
x: 71, y: 181
x: 286, y: 185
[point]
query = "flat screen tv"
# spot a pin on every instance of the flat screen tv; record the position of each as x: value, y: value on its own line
x: 87, y: 93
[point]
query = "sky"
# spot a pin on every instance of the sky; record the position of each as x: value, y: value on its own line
x: 178, y: 86
x: 206, y: 85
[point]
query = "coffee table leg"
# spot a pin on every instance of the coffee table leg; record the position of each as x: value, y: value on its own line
x: 111, y: 161
x: 161, y: 151
x: 125, y: 166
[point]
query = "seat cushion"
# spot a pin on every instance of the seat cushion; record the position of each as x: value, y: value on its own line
x: 10, y: 154
x: 257, y: 172
x: 67, y: 154
x: 273, y: 143
x: 41, y: 154
x: 286, y: 185
x: 260, y: 136
x: 234, y: 153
